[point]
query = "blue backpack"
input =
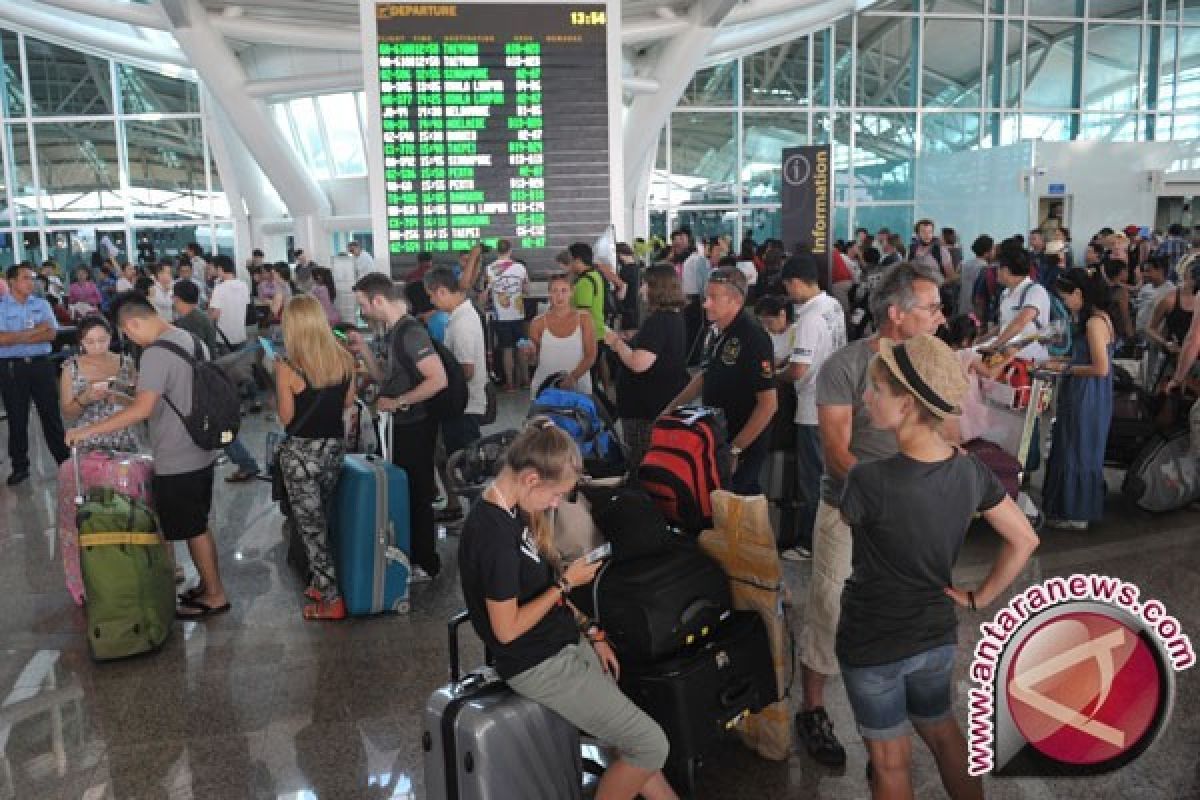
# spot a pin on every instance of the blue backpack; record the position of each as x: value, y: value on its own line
x: 1061, y: 345
x: 579, y: 415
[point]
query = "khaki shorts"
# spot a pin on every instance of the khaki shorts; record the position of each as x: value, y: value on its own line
x: 573, y: 684
x: 831, y: 551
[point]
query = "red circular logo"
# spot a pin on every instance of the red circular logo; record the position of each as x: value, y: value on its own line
x: 1084, y: 688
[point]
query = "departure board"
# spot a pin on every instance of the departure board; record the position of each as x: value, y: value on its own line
x: 494, y: 122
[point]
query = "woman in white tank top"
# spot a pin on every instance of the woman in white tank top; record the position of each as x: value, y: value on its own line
x: 562, y: 340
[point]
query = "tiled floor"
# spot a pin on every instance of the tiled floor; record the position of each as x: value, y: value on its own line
x: 260, y: 704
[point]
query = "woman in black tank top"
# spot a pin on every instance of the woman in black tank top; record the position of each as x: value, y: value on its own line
x: 1173, y: 315
x: 313, y: 388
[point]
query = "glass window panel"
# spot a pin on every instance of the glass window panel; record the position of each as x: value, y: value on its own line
x: 1014, y: 50
x: 898, y: 219
x: 886, y: 60
x: 1047, y: 127
x: 660, y: 156
x: 949, y: 133
x: 951, y: 75
x: 22, y: 194
x: 12, y: 90
x: 8, y: 249
x: 777, y: 76
x: 345, y: 138
x: 885, y: 145
x: 1049, y: 73
x: 1120, y: 9
x: 761, y: 224
x: 1187, y: 82
x: 712, y: 86
x: 841, y: 223
x: 842, y: 62
x: 69, y: 250
x: 223, y: 240
x: 1187, y: 126
x: 308, y: 131
x: 1162, y: 127
x: 703, y: 157
x: 822, y: 49
x: 164, y: 242
x: 1110, y: 127
x: 1166, y: 68
x: 840, y: 131
x: 146, y: 92
x: 1111, y: 74
x: 764, y: 138
x: 166, y: 169
x: 1191, y: 11
x: 218, y: 200
x: 955, y: 6
x: 708, y: 222
x: 77, y: 168
x: 995, y: 61
x: 658, y: 225
x: 1056, y: 8
x: 65, y: 82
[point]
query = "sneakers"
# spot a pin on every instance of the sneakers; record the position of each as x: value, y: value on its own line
x: 796, y: 553
x: 419, y: 575
x: 816, y: 733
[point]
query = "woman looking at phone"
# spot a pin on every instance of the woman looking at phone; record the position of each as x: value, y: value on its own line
x: 90, y: 387
x: 515, y: 593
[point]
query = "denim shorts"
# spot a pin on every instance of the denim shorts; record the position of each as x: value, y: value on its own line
x: 886, y: 697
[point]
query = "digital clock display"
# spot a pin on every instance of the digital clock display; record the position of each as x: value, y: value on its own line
x: 495, y: 124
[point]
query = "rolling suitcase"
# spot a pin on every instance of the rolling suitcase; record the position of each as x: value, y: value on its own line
x: 699, y: 696
x: 482, y: 741
x: 370, y: 535
x: 656, y: 607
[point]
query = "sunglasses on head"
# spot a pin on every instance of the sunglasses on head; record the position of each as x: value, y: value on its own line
x: 727, y: 280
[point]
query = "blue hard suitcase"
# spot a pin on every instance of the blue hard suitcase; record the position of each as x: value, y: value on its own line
x: 370, y: 535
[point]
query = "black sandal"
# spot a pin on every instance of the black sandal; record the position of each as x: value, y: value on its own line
x: 202, y: 610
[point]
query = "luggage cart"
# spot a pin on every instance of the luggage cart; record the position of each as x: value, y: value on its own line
x: 1016, y: 416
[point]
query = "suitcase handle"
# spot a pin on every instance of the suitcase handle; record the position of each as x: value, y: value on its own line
x: 452, y: 627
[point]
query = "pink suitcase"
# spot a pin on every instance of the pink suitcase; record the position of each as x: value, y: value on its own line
x: 128, y: 473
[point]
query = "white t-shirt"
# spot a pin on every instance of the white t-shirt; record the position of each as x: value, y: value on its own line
x: 123, y: 285
x: 160, y: 298
x: 820, y: 329
x: 1027, y: 294
x: 782, y: 344
x: 695, y: 275
x: 464, y: 338
x: 364, y: 263
x: 507, y: 280
x: 231, y: 297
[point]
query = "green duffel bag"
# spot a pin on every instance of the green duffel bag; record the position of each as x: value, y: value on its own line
x: 129, y: 579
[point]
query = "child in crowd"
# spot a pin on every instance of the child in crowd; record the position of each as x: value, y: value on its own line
x: 897, y: 635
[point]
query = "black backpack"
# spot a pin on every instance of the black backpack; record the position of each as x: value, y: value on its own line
x: 451, y: 402
x: 216, y: 412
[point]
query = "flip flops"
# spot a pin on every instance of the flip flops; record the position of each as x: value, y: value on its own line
x: 201, y: 610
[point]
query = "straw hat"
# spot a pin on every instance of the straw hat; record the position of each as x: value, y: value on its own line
x: 928, y: 368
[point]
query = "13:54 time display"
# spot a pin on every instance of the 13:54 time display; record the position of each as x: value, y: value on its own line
x: 588, y: 18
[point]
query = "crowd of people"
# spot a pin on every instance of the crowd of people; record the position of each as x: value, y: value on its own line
x: 869, y: 374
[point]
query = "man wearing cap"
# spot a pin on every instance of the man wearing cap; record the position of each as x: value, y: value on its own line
x: 27, y: 330
x: 818, y: 332
x: 906, y: 304
x: 737, y: 376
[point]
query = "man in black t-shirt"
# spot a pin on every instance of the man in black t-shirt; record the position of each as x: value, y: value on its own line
x: 737, y: 376
x: 411, y: 374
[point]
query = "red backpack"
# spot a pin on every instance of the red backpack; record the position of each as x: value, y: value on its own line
x: 687, y: 461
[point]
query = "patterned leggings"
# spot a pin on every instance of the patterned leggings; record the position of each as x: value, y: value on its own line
x: 310, y: 470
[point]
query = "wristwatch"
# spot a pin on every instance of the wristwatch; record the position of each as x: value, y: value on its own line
x: 403, y: 407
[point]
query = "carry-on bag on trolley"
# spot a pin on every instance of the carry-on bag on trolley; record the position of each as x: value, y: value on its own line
x: 483, y: 741
x: 588, y: 421
x: 697, y: 697
x: 688, y: 459
x: 370, y: 533
x: 1166, y: 474
x: 127, y: 574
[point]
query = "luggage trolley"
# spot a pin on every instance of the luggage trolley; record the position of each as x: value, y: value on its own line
x: 1016, y: 413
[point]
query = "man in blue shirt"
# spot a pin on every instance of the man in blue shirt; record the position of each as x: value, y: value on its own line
x: 27, y: 329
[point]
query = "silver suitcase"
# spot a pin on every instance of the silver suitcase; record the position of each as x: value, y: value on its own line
x: 482, y: 741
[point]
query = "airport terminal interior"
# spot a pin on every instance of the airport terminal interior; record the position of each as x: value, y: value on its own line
x: 130, y: 129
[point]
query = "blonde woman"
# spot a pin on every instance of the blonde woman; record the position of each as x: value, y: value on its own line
x: 314, y: 385
x: 562, y: 340
x: 514, y: 593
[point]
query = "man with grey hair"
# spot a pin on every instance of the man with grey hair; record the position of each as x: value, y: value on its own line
x: 906, y: 303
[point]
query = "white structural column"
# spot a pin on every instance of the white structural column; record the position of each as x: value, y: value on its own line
x: 674, y: 66
x: 222, y: 73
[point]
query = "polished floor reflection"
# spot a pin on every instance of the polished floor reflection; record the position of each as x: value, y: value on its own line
x: 258, y: 703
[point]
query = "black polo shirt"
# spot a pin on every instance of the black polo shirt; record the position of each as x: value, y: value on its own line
x: 737, y: 366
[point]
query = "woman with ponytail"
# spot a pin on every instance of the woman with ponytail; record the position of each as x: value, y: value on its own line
x: 1074, y: 489
x: 515, y: 591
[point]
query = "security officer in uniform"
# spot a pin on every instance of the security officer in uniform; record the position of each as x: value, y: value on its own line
x: 27, y: 331
x: 738, y: 376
